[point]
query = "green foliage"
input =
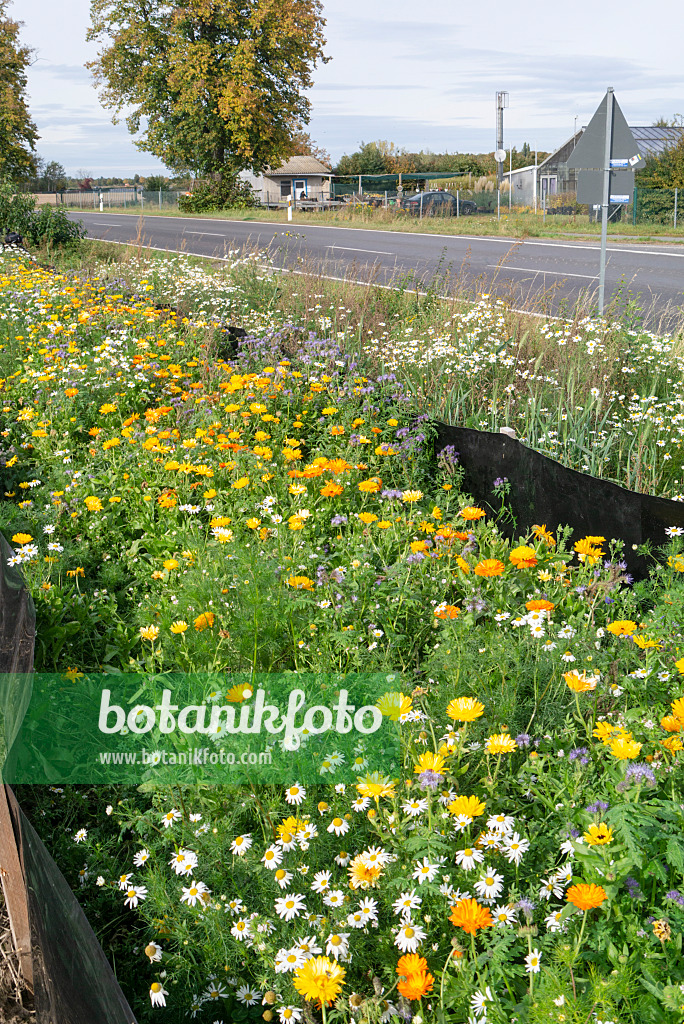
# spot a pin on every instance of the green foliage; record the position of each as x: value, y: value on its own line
x: 214, y: 86
x: 218, y: 194
x: 18, y: 133
x: 47, y: 226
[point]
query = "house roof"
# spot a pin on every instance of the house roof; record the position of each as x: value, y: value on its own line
x: 652, y: 140
x: 297, y: 165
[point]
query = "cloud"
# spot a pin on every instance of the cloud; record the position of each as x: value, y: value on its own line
x: 66, y: 72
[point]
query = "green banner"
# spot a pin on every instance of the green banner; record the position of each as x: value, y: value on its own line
x: 218, y: 728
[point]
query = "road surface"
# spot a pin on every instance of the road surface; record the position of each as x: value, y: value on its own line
x: 534, y: 274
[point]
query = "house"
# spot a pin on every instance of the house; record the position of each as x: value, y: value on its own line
x: 554, y: 175
x: 302, y: 177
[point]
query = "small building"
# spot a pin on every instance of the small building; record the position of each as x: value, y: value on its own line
x: 554, y: 175
x: 522, y: 185
x: 302, y: 177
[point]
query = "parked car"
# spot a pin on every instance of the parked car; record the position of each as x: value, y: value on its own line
x: 438, y: 204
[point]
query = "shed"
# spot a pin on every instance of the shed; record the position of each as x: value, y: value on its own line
x: 522, y: 184
x: 302, y: 177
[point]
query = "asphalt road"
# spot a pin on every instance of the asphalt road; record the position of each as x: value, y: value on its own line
x: 533, y: 274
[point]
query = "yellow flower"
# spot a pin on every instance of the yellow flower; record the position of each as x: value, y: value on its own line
x: 470, y: 805
x: 319, y: 979
x: 430, y: 762
x: 624, y: 747
x: 239, y: 484
x: 578, y: 682
x: 680, y: 666
x: 239, y: 693
x: 523, y: 557
x: 179, y: 627
x: 22, y: 538
x: 598, y: 835
x: 300, y: 583
x: 672, y: 743
x: 408, y: 497
x: 603, y: 730
x: 367, y: 518
x: 73, y: 674
x: 500, y: 743
x: 489, y: 567
x: 394, y: 705
x: 376, y: 786
x: 678, y: 708
x: 465, y: 709
x: 587, y: 552
x: 149, y: 632
x: 622, y: 627
x: 107, y: 407
x: 170, y: 563
x: 471, y: 513
x: 670, y: 723
x: 92, y: 503
x: 644, y: 643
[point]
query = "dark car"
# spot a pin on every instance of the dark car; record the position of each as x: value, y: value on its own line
x: 438, y: 204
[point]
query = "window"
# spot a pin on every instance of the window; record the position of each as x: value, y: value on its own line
x: 285, y: 189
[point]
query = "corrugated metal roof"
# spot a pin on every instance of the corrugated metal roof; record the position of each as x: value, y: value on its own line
x: 297, y: 165
x: 653, y: 140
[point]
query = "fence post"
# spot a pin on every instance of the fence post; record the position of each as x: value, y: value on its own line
x: 634, y: 205
x: 289, y: 207
x: 160, y: 199
x: 458, y: 202
x: 385, y: 198
x: 675, y: 209
x: 421, y: 205
x: 498, y: 204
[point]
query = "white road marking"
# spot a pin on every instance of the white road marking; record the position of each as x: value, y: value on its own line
x: 350, y: 248
x: 212, y: 234
x: 529, y: 270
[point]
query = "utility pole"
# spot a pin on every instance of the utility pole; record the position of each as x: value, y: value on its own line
x: 501, y: 103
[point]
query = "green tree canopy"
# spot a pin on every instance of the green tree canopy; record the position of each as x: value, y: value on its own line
x: 18, y: 133
x: 215, y: 85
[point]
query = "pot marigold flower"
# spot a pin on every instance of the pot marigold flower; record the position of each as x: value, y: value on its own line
x: 394, y: 705
x: 578, y: 682
x: 673, y: 744
x: 471, y: 513
x: 92, y: 503
x: 500, y: 743
x: 523, y: 557
x: 22, y: 538
x: 363, y: 875
x: 489, y: 567
x: 371, y: 486
x: 408, y: 497
x: 149, y: 632
x: 624, y: 747
x: 622, y: 627
x: 470, y: 805
x: 376, y: 787
x: 411, y: 963
x: 586, y: 896
x: 670, y: 723
x: 332, y: 489
x: 178, y: 627
x: 239, y: 693
x: 678, y: 708
x: 430, y: 762
x: 107, y: 407
x: 204, y: 621
x: 470, y: 916
x: 367, y: 518
x: 598, y: 835
x: 603, y: 730
x: 465, y: 709
x: 447, y: 611
x: 320, y: 979
x: 541, y: 605
x: 71, y: 392
x: 416, y: 985
x: 587, y: 552
x: 541, y: 533
x: 300, y: 583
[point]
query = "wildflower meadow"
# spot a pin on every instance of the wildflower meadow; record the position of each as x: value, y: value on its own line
x: 181, y: 499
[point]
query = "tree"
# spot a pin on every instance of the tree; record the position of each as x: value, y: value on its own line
x: 215, y: 85
x: 18, y: 133
x: 302, y: 145
x: 370, y: 159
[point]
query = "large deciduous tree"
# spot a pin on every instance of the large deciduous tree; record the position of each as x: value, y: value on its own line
x: 214, y: 85
x: 18, y: 133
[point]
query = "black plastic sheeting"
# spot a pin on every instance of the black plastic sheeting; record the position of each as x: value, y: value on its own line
x: 543, y: 492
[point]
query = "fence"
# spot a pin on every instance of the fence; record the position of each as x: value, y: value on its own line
x: 141, y: 200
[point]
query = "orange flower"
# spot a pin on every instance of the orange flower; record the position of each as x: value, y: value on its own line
x: 371, y: 486
x: 489, y: 567
x: 471, y: 512
x: 416, y: 985
x: 623, y: 627
x: 540, y: 606
x: 332, y: 489
x: 678, y: 708
x: 578, y: 682
x: 411, y: 963
x: 671, y: 723
x: 523, y: 557
x: 541, y: 533
x: 446, y: 611
x: 672, y: 743
x: 204, y: 621
x: 586, y: 897
x: 470, y: 916
x: 300, y: 583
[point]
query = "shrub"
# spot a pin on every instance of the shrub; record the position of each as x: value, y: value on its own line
x: 218, y: 194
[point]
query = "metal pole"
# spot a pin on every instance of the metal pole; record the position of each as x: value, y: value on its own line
x: 360, y: 186
x: 458, y: 202
x: 385, y: 198
x: 535, y: 182
x: 421, y: 205
x: 160, y: 199
x: 675, y: 210
x: 606, y: 199
x: 498, y: 203
x: 510, y: 178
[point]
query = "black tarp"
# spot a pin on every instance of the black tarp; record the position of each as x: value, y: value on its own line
x: 542, y: 491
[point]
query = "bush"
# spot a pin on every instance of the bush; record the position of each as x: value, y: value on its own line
x: 218, y: 194
x: 49, y: 225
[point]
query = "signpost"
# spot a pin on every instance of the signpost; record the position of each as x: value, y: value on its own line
x: 606, y: 156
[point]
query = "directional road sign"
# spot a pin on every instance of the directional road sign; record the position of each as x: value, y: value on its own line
x: 590, y: 186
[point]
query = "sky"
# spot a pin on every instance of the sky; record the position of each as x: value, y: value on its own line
x: 425, y: 81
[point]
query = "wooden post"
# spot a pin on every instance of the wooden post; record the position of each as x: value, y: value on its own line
x: 14, y: 887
